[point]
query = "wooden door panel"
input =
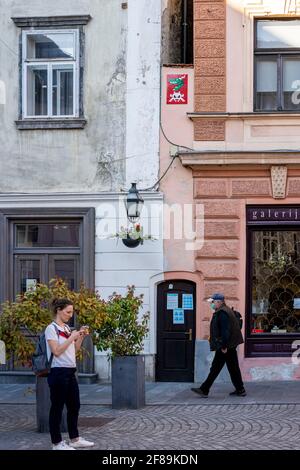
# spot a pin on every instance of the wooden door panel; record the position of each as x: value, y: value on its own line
x: 175, y: 333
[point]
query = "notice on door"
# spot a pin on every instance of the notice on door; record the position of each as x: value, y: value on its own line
x: 187, y: 302
x: 172, y: 301
x: 31, y: 285
x: 178, y: 316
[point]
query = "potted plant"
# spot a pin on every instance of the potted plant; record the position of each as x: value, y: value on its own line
x: 132, y: 236
x: 122, y: 335
x: 23, y: 320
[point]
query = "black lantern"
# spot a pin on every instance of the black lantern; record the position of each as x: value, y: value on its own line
x: 134, y: 203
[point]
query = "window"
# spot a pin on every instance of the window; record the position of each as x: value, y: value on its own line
x: 277, y: 65
x: 177, y: 39
x: 38, y: 245
x: 50, y: 73
x: 272, y: 280
x: 47, y: 235
x: 275, y: 282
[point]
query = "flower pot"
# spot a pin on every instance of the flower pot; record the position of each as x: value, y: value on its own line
x: 128, y: 382
x: 131, y: 242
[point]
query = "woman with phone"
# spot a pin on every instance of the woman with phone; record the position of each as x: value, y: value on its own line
x: 62, y: 344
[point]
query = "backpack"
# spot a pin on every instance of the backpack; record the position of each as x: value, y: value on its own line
x: 41, y: 366
x: 238, y: 316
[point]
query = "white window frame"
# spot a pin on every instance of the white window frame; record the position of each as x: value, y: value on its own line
x: 50, y: 64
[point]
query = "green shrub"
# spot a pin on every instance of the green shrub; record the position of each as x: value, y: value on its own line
x: 24, y: 319
x: 121, y: 334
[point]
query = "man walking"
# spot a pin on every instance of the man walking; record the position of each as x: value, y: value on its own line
x: 225, y: 336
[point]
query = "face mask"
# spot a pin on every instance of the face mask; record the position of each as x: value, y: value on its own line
x: 212, y: 306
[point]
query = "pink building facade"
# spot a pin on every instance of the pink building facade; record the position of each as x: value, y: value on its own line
x: 237, y: 133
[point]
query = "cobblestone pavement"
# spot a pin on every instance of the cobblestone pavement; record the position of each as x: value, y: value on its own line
x: 178, y: 427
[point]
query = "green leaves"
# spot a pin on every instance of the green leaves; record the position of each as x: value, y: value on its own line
x: 114, y: 324
x: 21, y: 321
x: 121, y: 333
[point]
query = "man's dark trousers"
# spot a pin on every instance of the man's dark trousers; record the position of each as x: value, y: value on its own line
x: 231, y: 360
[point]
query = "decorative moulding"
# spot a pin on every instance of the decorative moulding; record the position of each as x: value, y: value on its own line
x: 46, y: 21
x: 279, y: 179
x: 261, y: 159
x: 245, y: 116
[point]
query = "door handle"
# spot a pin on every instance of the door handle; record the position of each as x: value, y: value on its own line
x: 190, y: 333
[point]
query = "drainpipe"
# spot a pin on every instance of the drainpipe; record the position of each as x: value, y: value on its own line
x: 184, y: 32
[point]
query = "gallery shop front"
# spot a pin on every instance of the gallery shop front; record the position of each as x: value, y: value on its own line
x: 273, y: 280
x: 272, y: 294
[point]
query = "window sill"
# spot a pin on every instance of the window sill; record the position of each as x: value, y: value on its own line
x: 35, y: 124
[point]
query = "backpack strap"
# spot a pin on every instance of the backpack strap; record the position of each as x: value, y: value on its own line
x: 57, y: 332
x: 56, y: 329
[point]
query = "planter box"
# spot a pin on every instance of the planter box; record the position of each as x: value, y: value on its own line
x: 43, y: 406
x: 128, y: 382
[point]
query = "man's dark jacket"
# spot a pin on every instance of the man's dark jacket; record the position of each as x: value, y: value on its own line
x: 224, y: 329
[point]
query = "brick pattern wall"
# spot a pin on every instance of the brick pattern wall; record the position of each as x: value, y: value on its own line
x: 210, y: 66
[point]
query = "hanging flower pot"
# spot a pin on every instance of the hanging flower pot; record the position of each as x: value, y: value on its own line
x: 131, y: 242
x: 132, y: 236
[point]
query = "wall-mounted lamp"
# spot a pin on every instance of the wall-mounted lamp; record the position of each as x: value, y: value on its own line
x: 134, y: 204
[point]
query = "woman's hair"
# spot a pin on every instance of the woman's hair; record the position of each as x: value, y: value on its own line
x: 60, y: 304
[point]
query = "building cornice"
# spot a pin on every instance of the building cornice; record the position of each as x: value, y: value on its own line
x: 46, y: 21
x: 243, y: 116
x: 72, y: 198
x: 228, y: 160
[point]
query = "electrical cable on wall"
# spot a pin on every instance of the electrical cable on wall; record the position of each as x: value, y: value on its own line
x: 162, y: 176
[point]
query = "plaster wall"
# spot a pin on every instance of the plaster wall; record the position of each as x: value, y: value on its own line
x: 119, y: 143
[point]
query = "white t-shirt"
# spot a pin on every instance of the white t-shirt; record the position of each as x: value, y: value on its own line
x: 68, y: 357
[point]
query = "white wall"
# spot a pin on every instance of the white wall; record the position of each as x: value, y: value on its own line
x: 143, y: 92
x: 116, y: 266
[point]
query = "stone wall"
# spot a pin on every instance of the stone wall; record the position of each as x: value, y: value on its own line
x: 210, y: 66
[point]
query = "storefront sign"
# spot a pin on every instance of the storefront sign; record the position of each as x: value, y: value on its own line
x: 177, y: 88
x: 267, y: 215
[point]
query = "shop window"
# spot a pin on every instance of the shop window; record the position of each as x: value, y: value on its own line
x: 277, y: 65
x: 275, y: 295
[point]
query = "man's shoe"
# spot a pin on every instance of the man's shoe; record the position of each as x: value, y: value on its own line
x: 200, y: 392
x: 239, y: 393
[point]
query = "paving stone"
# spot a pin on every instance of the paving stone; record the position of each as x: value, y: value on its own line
x: 158, y: 427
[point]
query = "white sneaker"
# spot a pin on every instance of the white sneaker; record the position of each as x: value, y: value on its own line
x: 81, y: 443
x: 62, y: 446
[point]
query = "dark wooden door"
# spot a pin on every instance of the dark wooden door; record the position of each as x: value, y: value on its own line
x: 176, y: 313
x: 32, y: 269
